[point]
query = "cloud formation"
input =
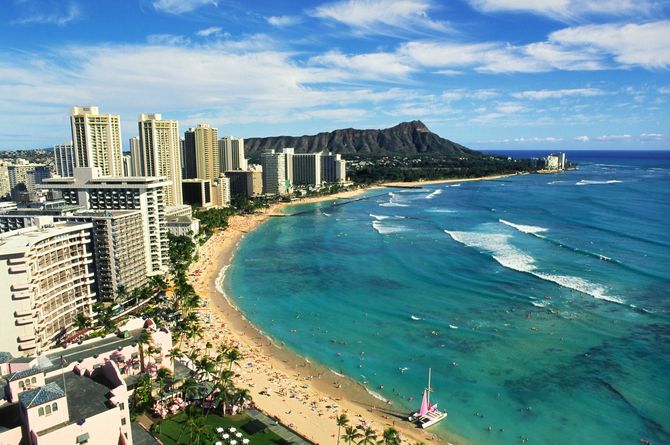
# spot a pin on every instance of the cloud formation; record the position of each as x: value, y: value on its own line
x: 181, y: 6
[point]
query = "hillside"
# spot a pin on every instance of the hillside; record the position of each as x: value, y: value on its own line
x: 407, y: 138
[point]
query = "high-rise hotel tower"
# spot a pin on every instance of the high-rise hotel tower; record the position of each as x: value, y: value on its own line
x: 160, y: 145
x: 97, y: 140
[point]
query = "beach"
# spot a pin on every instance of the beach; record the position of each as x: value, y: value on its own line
x: 305, y: 396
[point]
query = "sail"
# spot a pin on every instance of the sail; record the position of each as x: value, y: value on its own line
x: 433, y: 407
x: 424, y: 405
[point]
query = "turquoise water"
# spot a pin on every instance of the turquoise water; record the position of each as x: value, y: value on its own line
x: 543, y: 299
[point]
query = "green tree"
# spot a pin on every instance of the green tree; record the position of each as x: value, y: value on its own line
x: 342, y: 421
x: 390, y: 436
x: 351, y: 434
x: 368, y: 436
x: 82, y: 321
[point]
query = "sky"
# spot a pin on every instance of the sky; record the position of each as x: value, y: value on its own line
x: 509, y: 74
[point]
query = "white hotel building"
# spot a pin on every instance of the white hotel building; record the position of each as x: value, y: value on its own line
x: 46, y: 279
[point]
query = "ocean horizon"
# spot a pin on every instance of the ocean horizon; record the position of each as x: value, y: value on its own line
x: 539, y: 301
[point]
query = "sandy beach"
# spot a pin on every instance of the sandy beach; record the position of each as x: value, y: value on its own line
x: 305, y: 396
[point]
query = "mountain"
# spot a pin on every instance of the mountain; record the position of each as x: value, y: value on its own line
x: 406, y: 138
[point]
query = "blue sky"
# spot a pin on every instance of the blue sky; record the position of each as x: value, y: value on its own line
x: 485, y: 73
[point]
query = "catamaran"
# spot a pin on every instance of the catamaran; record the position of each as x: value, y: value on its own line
x: 428, y: 415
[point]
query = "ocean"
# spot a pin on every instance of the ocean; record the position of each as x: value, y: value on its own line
x: 541, y: 302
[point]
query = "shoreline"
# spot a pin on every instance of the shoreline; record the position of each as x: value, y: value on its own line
x: 304, y: 396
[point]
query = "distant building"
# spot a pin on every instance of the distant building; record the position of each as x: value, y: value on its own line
x: 97, y: 140
x: 556, y: 161
x: 136, y: 158
x: 333, y: 168
x: 221, y: 191
x: 201, y: 153
x: 126, y: 162
x: 4, y: 179
x: 197, y: 192
x: 144, y: 193
x: 307, y: 169
x: 275, y: 181
x: 160, y: 145
x: 47, y: 277
x: 245, y: 183
x: 232, y: 154
x: 64, y: 159
x: 23, y: 177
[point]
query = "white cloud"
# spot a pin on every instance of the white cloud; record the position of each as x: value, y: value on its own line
x: 42, y: 14
x: 509, y: 107
x: 378, y: 66
x: 614, y: 137
x: 558, y: 94
x: 373, y: 16
x: 582, y: 138
x: 181, y: 6
x: 652, y: 137
x: 212, y: 30
x: 646, y: 45
x: 536, y: 139
x: 567, y: 9
x: 283, y: 20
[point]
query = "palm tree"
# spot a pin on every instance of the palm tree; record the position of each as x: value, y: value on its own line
x: 233, y: 356
x: 241, y: 395
x: 368, y: 436
x: 351, y: 434
x: 390, y: 436
x: 82, y: 321
x: 341, y: 420
x: 143, y: 390
x: 142, y: 340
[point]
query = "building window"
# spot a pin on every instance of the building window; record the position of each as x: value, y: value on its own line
x: 40, y: 411
x: 47, y: 410
x: 122, y: 406
x: 123, y: 420
x: 33, y: 380
x: 21, y: 384
x: 54, y: 407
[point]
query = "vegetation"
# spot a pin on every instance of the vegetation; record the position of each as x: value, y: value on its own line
x: 423, y: 168
x: 174, y: 430
x: 214, y: 218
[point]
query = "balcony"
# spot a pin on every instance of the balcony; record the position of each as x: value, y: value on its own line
x: 22, y: 295
x: 18, y: 269
x: 23, y: 313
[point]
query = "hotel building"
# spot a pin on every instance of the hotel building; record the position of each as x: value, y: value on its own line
x: 245, y: 183
x: 136, y: 160
x: 144, y: 193
x: 232, y: 154
x: 307, y: 169
x: 160, y: 147
x: 24, y: 176
x: 97, y: 140
x: 64, y: 159
x: 46, y: 279
x: 201, y: 153
x: 275, y: 181
x: 333, y: 168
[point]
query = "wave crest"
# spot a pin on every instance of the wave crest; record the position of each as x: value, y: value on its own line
x: 591, y: 182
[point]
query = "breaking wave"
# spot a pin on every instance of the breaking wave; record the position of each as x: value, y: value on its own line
x: 589, y: 182
x: 434, y: 194
x: 386, y: 229
x: 511, y: 257
x: 533, y: 230
x: 441, y: 211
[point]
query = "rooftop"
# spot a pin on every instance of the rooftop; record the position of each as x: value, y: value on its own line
x: 18, y: 375
x: 86, y: 396
x: 40, y: 396
x: 5, y: 357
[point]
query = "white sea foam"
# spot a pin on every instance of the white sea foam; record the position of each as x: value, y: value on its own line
x: 453, y: 326
x: 336, y: 373
x: 455, y: 185
x: 387, y: 229
x: 434, y: 194
x: 589, y: 182
x: 511, y: 257
x: 441, y: 211
x: 555, y: 182
x: 534, y: 230
x: 392, y: 204
x: 539, y: 303
x: 380, y: 217
x: 376, y: 395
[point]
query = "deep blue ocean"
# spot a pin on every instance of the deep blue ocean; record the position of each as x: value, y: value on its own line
x: 543, y: 300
